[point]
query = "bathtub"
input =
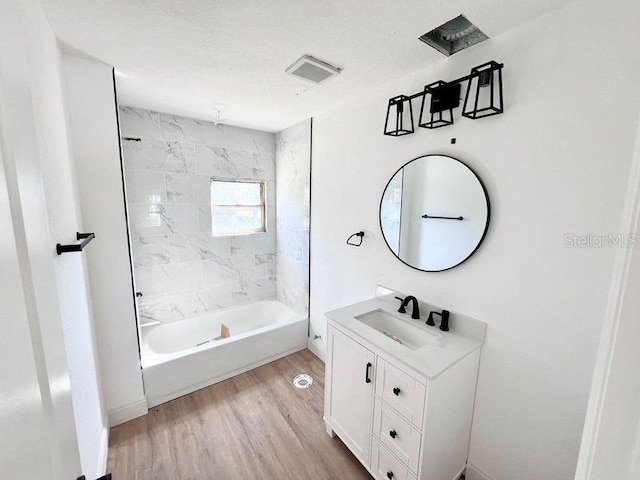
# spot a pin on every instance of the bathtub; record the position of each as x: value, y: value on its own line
x: 184, y: 356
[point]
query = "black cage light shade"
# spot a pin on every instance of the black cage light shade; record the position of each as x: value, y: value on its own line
x: 399, y: 119
x: 484, y: 91
x: 434, y: 116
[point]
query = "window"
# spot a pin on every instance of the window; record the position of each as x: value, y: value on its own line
x: 237, y: 207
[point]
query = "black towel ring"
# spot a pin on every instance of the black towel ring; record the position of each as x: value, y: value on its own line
x: 357, y: 234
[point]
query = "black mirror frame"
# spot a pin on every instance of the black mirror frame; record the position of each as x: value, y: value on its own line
x: 486, y: 225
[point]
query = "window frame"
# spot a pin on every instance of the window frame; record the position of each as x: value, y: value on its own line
x: 262, y: 206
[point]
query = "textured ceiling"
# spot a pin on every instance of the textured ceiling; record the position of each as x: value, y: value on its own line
x: 188, y: 56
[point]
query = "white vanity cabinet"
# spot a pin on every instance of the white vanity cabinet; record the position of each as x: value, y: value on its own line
x: 349, y: 404
x: 401, y: 423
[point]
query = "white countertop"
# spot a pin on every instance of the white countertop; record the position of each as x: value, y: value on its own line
x: 431, y: 359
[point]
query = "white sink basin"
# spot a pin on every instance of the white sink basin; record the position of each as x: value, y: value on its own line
x: 397, y: 329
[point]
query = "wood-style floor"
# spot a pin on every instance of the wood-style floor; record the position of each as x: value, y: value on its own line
x: 254, y: 426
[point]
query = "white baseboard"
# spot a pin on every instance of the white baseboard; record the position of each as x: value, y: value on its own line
x: 316, y: 349
x: 472, y: 473
x: 128, y: 412
x: 104, y: 452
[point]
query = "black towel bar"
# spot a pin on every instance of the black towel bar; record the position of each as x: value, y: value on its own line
x: 85, y: 237
x: 444, y: 218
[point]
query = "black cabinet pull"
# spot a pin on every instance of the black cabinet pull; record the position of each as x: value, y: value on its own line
x: 396, y: 391
x: 366, y: 373
x: 393, y: 434
x: 389, y: 475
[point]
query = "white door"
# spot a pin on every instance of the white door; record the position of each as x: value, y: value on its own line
x: 350, y: 401
x: 37, y: 426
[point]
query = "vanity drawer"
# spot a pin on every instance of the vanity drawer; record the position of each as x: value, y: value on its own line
x: 402, y: 438
x: 385, y: 465
x: 400, y: 390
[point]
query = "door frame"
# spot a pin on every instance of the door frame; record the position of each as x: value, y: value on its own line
x: 618, y: 338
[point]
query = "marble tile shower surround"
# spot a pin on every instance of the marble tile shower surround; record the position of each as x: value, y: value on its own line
x: 293, y: 167
x: 179, y: 267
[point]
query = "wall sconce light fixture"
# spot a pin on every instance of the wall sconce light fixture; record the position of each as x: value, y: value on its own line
x: 482, y: 99
x: 399, y: 119
x: 486, y: 98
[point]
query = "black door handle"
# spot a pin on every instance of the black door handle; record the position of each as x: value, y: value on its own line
x: 366, y: 373
x: 389, y: 475
x: 393, y: 434
x: 396, y: 391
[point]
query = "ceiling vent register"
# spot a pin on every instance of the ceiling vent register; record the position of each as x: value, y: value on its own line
x: 312, y: 70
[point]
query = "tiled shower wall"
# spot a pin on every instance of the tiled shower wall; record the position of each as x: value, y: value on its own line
x: 179, y: 267
x: 293, y: 157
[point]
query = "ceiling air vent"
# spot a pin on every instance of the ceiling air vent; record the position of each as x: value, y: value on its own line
x: 453, y: 36
x: 312, y: 70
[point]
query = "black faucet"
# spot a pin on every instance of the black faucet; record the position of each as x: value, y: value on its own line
x: 444, y: 323
x: 416, y: 309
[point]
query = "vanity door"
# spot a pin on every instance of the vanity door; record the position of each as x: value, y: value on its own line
x: 350, y: 377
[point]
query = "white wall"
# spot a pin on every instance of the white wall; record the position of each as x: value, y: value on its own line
x: 94, y: 137
x: 555, y: 163
x: 40, y: 352
x: 72, y: 280
x: 73, y: 288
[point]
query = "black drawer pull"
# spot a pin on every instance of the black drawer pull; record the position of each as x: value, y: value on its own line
x: 389, y: 475
x: 393, y: 434
x: 396, y: 391
x: 366, y: 373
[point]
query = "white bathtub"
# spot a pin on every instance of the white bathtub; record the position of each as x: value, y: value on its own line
x: 182, y: 357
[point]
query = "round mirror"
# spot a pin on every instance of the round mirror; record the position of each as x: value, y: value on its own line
x: 434, y: 213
